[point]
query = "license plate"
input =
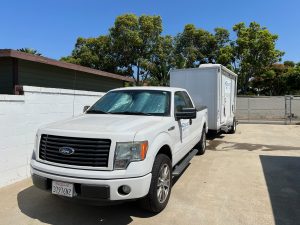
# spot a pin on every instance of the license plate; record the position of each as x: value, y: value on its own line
x: 62, y: 188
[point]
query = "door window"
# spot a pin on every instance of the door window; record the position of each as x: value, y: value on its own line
x: 182, y: 100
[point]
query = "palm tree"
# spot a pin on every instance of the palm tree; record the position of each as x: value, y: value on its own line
x: 30, y: 51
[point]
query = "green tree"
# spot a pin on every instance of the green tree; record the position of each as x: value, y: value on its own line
x: 281, y: 79
x: 30, y: 51
x: 226, y: 57
x: 224, y: 53
x: 278, y: 85
x: 293, y: 80
x: 94, y: 53
x: 194, y: 46
x: 254, y: 52
x: 134, y: 40
x: 271, y: 82
x: 134, y: 46
x: 289, y: 63
x: 161, y: 62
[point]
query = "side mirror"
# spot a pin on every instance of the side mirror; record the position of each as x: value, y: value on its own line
x: 186, y: 113
x: 86, y: 108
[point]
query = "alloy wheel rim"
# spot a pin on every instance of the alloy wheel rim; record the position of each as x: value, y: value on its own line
x: 163, y: 184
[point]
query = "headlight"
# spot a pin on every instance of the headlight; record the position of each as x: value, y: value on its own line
x: 127, y: 152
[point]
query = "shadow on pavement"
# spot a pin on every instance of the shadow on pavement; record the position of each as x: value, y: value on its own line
x: 282, y: 175
x: 213, y: 144
x: 212, y: 136
x: 176, y: 178
x: 50, y: 209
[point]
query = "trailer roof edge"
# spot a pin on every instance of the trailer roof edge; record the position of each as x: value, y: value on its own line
x: 209, y: 65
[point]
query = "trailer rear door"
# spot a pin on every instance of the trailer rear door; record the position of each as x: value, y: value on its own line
x: 226, y: 98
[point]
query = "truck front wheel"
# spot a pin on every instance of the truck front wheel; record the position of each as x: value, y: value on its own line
x: 161, y: 185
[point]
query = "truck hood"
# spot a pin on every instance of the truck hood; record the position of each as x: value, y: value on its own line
x: 104, y: 124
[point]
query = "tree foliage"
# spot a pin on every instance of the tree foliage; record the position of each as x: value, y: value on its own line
x: 254, y: 52
x: 161, y: 61
x: 135, y: 46
x: 289, y: 63
x: 30, y: 51
x: 94, y: 53
x: 134, y: 41
x: 194, y: 46
x: 131, y: 43
x: 281, y: 79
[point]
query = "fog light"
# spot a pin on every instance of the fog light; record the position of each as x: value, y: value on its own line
x: 124, y: 190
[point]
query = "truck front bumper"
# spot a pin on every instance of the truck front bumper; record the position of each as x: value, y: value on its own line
x: 95, y: 189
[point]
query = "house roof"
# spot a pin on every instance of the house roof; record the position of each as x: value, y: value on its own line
x: 40, y: 59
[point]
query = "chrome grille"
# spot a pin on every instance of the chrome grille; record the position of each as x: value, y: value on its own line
x: 87, y: 151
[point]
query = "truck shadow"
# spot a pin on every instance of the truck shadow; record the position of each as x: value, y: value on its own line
x: 47, y: 208
x: 50, y: 209
x: 282, y: 175
x: 211, y: 136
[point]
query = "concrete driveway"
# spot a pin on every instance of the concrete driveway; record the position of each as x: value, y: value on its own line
x: 251, y: 177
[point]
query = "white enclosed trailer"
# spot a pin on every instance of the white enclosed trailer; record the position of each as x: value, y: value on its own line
x: 214, y: 86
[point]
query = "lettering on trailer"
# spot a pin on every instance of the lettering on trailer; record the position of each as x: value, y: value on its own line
x: 227, y: 86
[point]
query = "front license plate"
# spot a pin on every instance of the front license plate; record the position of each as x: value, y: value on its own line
x: 62, y: 188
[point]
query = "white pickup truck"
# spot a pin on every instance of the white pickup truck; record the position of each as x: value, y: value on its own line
x: 128, y: 145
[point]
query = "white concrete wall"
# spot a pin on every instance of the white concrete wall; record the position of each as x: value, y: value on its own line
x: 21, y: 115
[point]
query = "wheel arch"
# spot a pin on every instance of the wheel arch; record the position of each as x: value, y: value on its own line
x: 165, y: 149
x: 162, y: 143
x: 204, y: 126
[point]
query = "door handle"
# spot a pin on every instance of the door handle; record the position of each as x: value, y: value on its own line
x: 171, y: 128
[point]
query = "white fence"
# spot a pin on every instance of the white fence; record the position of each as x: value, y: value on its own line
x: 267, y: 109
x: 20, y: 117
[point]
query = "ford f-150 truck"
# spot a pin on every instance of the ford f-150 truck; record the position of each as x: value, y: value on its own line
x: 128, y: 145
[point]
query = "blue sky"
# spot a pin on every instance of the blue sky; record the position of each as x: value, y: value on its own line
x: 52, y: 26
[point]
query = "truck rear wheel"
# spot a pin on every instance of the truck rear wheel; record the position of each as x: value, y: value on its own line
x: 161, y: 185
x: 201, y: 146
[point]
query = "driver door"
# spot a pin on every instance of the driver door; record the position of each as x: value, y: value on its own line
x: 182, y: 127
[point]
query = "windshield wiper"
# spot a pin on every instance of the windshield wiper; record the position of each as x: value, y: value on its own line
x: 94, y: 111
x: 133, y: 113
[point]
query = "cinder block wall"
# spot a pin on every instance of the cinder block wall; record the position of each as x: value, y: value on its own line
x: 20, y: 117
x: 265, y: 108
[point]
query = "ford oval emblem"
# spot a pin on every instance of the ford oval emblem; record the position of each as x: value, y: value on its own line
x: 66, y: 150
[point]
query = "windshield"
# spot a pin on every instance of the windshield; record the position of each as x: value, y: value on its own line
x: 134, y: 102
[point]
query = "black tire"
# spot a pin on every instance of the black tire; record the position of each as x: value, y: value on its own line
x: 152, y: 202
x: 201, y: 146
x: 233, y: 127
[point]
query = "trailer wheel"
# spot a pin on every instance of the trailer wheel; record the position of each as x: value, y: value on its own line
x: 233, y: 127
x: 201, y: 146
